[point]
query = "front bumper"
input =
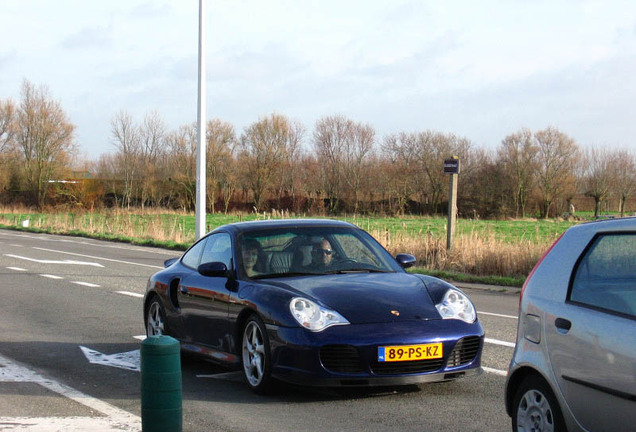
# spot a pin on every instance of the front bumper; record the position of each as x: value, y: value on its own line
x: 348, y: 355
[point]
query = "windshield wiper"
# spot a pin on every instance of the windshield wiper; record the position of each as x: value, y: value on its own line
x: 357, y: 270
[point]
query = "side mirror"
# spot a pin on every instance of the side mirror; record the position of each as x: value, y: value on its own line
x: 405, y: 260
x: 167, y: 263
x: 213, y: 269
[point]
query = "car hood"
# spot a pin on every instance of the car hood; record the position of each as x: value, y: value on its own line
x: 364, y: 298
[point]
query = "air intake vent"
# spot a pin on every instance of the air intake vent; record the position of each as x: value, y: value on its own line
x: 341, y: 359
x: 464, y: 352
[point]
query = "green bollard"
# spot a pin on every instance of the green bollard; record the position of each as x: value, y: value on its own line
x: 161, y: 407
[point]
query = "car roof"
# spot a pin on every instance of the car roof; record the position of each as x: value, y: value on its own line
x: 613, y: 224
x: 282, y: 223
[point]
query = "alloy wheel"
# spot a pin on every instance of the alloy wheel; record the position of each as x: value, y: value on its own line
x: 253, y: 354
x: 155, y: 326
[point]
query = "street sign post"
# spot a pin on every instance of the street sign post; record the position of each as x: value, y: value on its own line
x: 452, y: 167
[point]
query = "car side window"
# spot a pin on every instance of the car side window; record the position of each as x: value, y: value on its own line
x: 218, y: 248
x: 605, y: 277
x: 193, y: 256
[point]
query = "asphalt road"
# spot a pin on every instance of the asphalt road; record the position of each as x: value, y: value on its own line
x: 65, y: 300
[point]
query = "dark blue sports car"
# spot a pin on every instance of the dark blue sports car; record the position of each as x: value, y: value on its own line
x: 314, y: 302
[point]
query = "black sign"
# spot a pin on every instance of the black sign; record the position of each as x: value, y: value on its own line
x: 451, y: 166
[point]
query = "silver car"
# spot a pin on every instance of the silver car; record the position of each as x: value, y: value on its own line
x: 574, y: 365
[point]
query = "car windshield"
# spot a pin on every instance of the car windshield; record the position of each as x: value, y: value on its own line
x: 280, y: 252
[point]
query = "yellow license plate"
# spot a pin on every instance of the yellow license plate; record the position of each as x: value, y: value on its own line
x: 409, y: 352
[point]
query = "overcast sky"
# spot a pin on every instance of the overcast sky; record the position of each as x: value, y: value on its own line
x: 479, y: 69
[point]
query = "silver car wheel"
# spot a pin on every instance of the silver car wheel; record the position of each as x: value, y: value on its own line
x: 155, y: 325
x: 534, y: 413
x: 253, y: 354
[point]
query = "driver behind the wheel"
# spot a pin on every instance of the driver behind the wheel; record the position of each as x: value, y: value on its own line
x: 321, y: 256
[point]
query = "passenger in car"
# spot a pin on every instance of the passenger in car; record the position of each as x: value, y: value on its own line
x: 250, y: 253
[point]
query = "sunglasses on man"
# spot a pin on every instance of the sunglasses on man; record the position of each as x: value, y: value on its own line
x: 323, y: 251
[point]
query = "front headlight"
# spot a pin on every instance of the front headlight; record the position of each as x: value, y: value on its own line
x: 456, y: 305
x: 314, y: 317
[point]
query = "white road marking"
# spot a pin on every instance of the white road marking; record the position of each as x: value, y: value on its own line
x: 16, y: 245
x: 119, y: 419
x: 86, y: 284
x: 43, y: 237
x: 127, y: 360
x: 497, y: 315
x: 131, y: 294
x: 50, y: 276
x: 495, y: 371
x: 17, y: 269
x: 65, y: 424
x: 99, y: 258
x: 132, y: 248
x: 140, y: 337
x: 71, y: 262
x: 498, y: 342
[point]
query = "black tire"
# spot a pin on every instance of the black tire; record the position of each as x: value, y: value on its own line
x: 155, y: 318
x: 256, y: 356
x: 535, y: 407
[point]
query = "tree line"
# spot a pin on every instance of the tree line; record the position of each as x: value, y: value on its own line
x: 277, y: 163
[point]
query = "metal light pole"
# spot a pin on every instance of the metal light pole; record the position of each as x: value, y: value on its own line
x: 200, y: 226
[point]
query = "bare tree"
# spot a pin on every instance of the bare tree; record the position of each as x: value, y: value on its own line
x: 230, y: 181
x: 44, y: 136
x: 557, y: 156
x: 400, y: 153
x: 152, y: 145
x: 182, y: 147
x: 355, y: 162
x: 329, y: 142
x: 7, y: 131
x: 518, y: 155
x: 151, y: 136
x: 290, y: 168
x: 599, y: 175
x: 221, y: 142
x: 309, y: 179
x: 127, y: 139
x: 7, y: 126
x: 485, y: 187
x: 107, y: 171
x: 265, y: 145
x: 625, y: 170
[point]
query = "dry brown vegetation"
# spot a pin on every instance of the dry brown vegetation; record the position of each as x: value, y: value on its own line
x: 471, y: 253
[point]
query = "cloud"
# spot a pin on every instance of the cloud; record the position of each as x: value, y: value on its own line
x: 7, y: 58
x: 88, y: 38
x: 151, y: 10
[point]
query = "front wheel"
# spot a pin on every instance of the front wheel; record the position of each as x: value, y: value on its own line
x: 256, y: 356
x: 535, y: 408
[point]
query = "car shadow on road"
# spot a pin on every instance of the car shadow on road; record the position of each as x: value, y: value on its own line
x: 205, y: 381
